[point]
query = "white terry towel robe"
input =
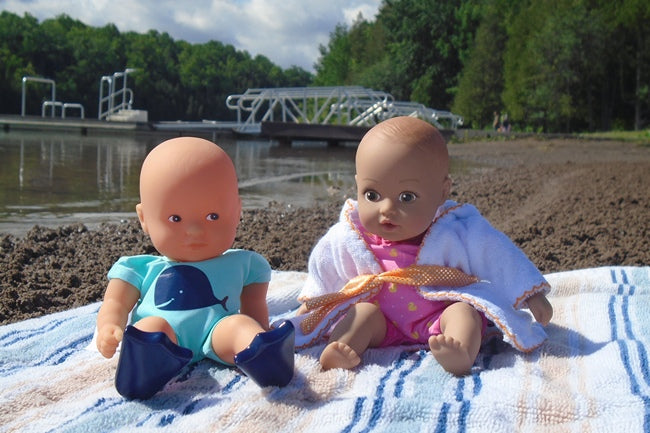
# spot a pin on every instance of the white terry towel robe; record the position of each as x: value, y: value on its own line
x: 460, y: 238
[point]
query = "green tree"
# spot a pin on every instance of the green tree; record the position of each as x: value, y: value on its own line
x: 155, y: 56
x: 549, y: 64
x: 296, y: 76
x: 426, y: 41
x: 200, y: 70
x: 481, y: 82
x: 95, y: 52
x: 15, y: 61
x: 174, y: 79
x: 333, y: 66
x: 630, y: 19
x: 413, y: 50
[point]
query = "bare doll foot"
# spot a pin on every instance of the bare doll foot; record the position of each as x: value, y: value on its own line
x: 450, y: 354
x: 339, y: 355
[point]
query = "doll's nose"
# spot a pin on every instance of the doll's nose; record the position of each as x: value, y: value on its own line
x: 194, y: 228
x: 387, y: 207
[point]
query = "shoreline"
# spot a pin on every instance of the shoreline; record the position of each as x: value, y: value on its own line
x: 568, y: 204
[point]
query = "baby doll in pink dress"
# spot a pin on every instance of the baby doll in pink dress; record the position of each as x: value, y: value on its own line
x: 405, y: 265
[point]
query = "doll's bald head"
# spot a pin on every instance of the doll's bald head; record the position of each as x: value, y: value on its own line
x: 402, y: 139
x: 189, y: 199
x: 415, y: 136
x: 402, y: 176
x: 186, y: 160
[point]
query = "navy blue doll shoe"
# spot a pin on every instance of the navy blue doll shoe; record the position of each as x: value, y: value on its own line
x: 269, y: 359
x: 148, y: 360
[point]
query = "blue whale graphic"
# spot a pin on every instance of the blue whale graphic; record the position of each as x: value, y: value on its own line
x: 184, y: 287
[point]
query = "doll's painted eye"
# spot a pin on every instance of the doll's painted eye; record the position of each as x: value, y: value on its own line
x: 174, y: 219
x: 407, y: 197
x: 212, y: 216
x: 372, y: 195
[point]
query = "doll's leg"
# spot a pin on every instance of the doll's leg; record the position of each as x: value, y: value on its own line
x: 157, y: 324
x: 267, y: 357
x: 149, y: 358
x: 458, y: 345
x: 363, y: 326
x: 233, y: 334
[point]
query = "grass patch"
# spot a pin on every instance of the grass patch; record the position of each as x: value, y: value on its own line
x: 642, y: 136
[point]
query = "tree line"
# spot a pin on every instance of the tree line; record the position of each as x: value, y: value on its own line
x: 175, y: 80
x: 551, y: 65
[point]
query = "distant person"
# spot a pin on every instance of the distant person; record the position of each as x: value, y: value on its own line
x: 496, y: 123
x: 505, y: 123
x: 404, y: 265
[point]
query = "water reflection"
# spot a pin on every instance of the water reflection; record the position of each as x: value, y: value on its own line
x: 51, y: 179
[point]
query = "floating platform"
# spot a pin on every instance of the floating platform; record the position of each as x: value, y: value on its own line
x: 286, y: 132
x: 82, y: 126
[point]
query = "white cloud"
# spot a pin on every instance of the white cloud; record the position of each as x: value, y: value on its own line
x: 288, y: 32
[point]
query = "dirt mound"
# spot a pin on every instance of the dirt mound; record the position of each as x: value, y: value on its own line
x: 568, y: 204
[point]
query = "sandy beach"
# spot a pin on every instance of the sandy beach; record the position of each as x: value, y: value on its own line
x: 568, y: 203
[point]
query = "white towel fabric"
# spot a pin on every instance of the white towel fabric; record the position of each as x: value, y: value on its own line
x: 592, y: 374
x: 459, y: 238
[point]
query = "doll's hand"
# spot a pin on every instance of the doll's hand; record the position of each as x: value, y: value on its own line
x: 540, y: 307
x: 108, y: 338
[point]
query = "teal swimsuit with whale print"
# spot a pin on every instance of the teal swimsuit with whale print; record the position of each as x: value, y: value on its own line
x: 191, y: 296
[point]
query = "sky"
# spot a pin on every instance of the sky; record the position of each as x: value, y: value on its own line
x: 288, y: 32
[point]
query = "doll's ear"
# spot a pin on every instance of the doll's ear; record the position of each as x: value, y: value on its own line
x: 140, y: 212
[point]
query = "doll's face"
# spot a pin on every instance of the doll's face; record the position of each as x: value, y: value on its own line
x: 402, y: 179
x: 190, y: 205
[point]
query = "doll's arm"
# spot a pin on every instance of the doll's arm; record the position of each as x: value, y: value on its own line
x: 253, y: 303
x: 301, y: 310
x: 541, y: 308
x: 118, y: 301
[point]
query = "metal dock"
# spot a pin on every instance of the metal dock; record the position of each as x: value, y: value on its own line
x: 330, y: 114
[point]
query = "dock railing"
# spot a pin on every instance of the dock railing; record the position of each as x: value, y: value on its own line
x: 52, y: 104
x: 309, y: 105
x: 116, y: 99
x: 343, y: 105
x: 23, y: 103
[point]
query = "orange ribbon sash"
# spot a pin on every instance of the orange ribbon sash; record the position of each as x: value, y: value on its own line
x: 414, y: 275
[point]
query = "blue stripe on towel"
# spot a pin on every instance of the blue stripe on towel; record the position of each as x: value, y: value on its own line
x: 464, y: 402
x: 143, y: 421
x: 441, y: 426
x: 375, y: 413
x: 356, y: 415
x: 55, y: 357
x: 379, y: 400
x: 61, y: 354
x: 635, y: 382
x: 24, y: 334
x: 230, y: 385
x: 399, y: 386
x: 101, y: 405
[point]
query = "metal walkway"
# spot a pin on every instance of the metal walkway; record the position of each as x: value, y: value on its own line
x: 346, y: 105
x: 307, y: 112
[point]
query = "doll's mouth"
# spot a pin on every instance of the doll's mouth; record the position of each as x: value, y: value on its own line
x: 387, y: 225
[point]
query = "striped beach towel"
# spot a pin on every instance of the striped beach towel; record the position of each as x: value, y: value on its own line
x: 592, y: 374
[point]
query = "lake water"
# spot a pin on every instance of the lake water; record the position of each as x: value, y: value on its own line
x: 57, y: 178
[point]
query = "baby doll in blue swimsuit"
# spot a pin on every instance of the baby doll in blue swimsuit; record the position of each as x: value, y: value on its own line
x: 199, y: 299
